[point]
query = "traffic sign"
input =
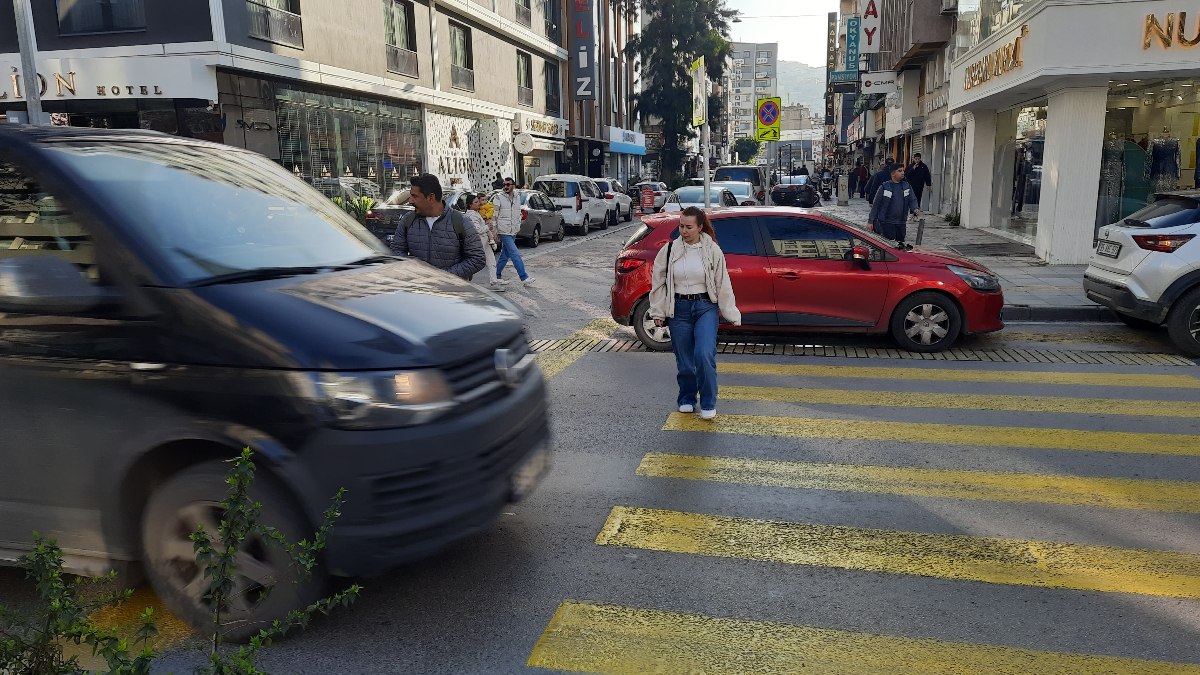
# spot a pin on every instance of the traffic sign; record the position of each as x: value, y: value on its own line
x: 767, y: 134
x: 767, y: 119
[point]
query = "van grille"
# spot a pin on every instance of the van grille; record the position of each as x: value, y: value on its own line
x: 468, y: 375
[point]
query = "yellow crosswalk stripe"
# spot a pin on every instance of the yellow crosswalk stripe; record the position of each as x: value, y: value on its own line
x: 944, y: 434
x: 1122, y: 493
x: 957, y: 401
x: 990, y: 560
x: 598, y: 638
x: 964, y: 375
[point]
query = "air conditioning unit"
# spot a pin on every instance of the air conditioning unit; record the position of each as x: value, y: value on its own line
x: 949, y: 6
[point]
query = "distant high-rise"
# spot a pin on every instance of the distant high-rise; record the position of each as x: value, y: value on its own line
x: 755, y: 76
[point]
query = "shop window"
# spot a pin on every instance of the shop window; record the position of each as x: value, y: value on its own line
x: 35, y: 222
x: 401, y: 37
x: 1018, y: 170
x: 524, y: 79
x: 100, y: 16
x: 553, y: 89
x: 276, y: 21
x: 462, y: 59
x: 808, y: 239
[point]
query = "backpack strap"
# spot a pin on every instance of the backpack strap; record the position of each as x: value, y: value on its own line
x: 456, y: 221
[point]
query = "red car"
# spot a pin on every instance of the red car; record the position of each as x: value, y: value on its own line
x: 802, y: 270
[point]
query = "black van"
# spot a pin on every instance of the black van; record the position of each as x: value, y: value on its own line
x: 165, y: 302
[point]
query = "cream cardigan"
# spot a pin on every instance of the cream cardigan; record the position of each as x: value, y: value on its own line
x: 716, y: 278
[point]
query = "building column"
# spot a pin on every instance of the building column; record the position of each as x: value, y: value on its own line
x: 1071, y: 174
x: 978, y: 162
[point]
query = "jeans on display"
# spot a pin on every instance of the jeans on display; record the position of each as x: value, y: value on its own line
x: 694, y: 339
x: 508, y: 249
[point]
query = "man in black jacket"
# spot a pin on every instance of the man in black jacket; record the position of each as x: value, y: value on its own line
x: 918, y: 176
x: 435, y: 232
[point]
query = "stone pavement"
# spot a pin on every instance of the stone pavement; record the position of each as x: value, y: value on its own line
x: 1033, y: 290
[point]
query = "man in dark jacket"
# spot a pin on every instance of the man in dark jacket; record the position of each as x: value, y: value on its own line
x: 894, y: 200
x: 881, y: 177
x: 919, y: 177
x: 435, y: 232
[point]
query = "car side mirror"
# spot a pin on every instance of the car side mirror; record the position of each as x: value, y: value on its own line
x: 862, y: 256
x: 47, y: 284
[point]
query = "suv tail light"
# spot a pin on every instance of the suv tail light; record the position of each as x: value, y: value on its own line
x: 1165, y: 243
x: 629, y: 264
x: 578, y: 202
x: 524, y: 214
x: 609, y: 195
x: 761, y: 195
x: 657, y: 193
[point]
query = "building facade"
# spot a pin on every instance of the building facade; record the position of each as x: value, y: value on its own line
x: 755, y: 76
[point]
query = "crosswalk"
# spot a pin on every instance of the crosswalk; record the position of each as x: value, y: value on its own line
x: 960, y: 435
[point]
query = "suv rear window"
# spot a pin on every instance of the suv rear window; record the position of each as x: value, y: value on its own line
x: 746, y: 174
x: 1167, y: 212
x: 557, y: 189
x: 604, y: 186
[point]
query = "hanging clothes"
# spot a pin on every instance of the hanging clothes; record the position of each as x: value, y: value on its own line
x: 1112, y: 182
x: 1162, y: 166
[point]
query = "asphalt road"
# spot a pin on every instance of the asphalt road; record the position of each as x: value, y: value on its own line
x: 841, y: 515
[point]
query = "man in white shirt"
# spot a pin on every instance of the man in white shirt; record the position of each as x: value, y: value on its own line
x: 508, y: 223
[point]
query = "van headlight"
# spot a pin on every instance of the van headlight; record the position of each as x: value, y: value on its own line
x: 382, y: 400
x: 979, y: 280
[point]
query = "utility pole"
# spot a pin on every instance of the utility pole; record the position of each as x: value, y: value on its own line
x: 27, y: 44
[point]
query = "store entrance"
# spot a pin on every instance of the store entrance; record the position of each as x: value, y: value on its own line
x: 1017, y: 180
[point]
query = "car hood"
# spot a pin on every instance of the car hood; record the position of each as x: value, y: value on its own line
x: 399, y: 315
x: 947, y: 258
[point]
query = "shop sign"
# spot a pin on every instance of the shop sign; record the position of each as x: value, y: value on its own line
x: 1005, y: 59
x: 879, y: 83
x: 1169, y: 32
x: 911, y: 125
x: 937, y: 100
x: 540, y: 127
x: 852, y: 41
x: 583, y: 43
x: 831, y: 43
x: 868, y: 41
x: 81, y: 79
x: 936, y: 123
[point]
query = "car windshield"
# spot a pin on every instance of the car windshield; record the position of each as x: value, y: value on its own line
x: 557, y: 189
x: 695, y: 195
x: 745, y: 174
x: 1167, y: 212
x: 208, y: 213
x: 738, y: 188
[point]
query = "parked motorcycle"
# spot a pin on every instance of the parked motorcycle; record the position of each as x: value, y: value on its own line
x: 826, y: 187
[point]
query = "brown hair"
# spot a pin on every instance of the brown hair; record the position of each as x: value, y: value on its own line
x: 701, y: 220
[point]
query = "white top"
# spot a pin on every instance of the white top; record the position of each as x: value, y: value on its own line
x: 430, y: 221
x: 687, y: 273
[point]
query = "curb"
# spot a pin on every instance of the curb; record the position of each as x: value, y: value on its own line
x: 1078, y: 313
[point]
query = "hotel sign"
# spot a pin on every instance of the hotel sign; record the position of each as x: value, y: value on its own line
x: 1005, y: 59
x: 131, y: 77
x: 583, y: 51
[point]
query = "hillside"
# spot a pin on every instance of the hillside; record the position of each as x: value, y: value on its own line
x: 802, y: 83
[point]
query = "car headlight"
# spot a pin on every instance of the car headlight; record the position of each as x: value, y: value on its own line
x: 980, y: 281
x: 382, y: 400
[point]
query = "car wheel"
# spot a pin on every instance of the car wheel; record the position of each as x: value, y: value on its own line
x: 1183, y: 324
x: 656, y: 339
x: 1136, y: 323
x: 604, y: 221
x: 926, y: 322
x: 587, y: 225
x: 562, y: 231
x: 629, y: 214
x: 266, y: 585
x: 536, y: 238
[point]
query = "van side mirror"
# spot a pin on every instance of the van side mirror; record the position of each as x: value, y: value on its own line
x: 47, y: 284
x: 862, y: 256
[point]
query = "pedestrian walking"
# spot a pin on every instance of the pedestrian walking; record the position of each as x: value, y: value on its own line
x: 690, y: 292
x: 440, y: 239
x: 803, y: 170
x: 882, y: 176
x: 862, y: 175
x: 893, y: 201
x: 919, y: 177
x: 508, y: 224
x: 485, y: 228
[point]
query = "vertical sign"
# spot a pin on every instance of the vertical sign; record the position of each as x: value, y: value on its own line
x: 830, y: 65
x: 767, y: 119
x: 868, y: 40
x: 583, y: 51
x: 699, y: 93
x: 852, y: 28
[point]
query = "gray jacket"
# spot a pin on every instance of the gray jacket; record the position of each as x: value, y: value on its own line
x: 445, y: 246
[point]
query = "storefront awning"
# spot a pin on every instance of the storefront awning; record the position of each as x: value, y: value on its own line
x: 626, y: 148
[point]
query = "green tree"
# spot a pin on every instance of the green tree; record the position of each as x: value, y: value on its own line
x: 674, y: 34
x: 746, y: 149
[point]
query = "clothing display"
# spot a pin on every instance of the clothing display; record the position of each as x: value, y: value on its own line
x: 1112, y: 181
x: 1137, y: 186
x: 1162, y: 164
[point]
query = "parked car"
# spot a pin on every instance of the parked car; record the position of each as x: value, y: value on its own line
x: 756, y: 175
x: 620, y: 204
x: 795, y: 270
x: 347, y: 187
x: 796, y: 191
x: 540, y: 218
x: 383, y: 218
x: 583, y: 204
x: 1146, y: 268
x: 141, y: 348
x: 694, y: 196
x: 661, y: 191
x: 743, y: 192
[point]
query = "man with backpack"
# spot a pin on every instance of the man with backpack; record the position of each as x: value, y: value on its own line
x: 434, y: 232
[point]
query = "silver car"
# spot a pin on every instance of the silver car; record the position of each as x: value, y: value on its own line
x: 694, y: 196
x: 540, y: 218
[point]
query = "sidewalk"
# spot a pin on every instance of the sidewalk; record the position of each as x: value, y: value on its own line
x: 1033, y: 290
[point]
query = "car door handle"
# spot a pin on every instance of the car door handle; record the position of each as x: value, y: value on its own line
x: 790, y: 276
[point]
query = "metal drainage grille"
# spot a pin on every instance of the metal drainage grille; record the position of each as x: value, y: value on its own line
x: 986, y: 355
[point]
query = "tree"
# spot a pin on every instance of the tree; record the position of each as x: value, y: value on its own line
x: 674, y: 34
x: 746, y: 149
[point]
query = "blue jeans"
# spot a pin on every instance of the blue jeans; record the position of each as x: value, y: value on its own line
x: 508, y: 249
x: 694, y: 339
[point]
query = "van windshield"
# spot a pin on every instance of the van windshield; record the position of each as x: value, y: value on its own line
x: 557, y: 189
x: 206, y: 213
x: 740, y: 174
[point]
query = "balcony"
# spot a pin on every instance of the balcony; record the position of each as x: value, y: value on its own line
x: 553, y: 31
x: 525, y: 96
x: 275, y: 25
x: 524, y: 15
x: 402, y: 61
x: 462, y: 78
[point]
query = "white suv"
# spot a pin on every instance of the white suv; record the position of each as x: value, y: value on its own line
x: 580, y: 201
x: 620, y: 204
x: 1146, y: 268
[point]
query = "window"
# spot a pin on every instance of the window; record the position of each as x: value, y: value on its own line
x: 100, y: 16
x: 401, y: 37
x: 557, y: 189
x: 735, y: 235
x: 589, y: 189
x: 34, y: 222
x: 276, y: 21
x: 553, y: 89
x: 764, y: 55
x: 524, y: 13
x: 524, y: 79
x: 462, y: 60
x: 809, y: 239
x: 746, y: 54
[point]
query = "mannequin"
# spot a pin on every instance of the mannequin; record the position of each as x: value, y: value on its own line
x: 1162, y: 162
x: 1112, y: 180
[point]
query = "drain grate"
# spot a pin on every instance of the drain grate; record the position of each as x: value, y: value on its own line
x: 983, y: 355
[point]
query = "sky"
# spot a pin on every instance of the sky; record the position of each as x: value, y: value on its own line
x: 797, y: 25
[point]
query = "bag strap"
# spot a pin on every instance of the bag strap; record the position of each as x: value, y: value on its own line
x: 669, y: 245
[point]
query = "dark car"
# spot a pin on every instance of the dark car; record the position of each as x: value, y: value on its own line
x: 141, y: 348
x: 383, y: 218
x: 795, y: 191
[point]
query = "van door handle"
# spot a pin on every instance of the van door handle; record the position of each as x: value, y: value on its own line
x: 143, y: 367
x: 790, y: 276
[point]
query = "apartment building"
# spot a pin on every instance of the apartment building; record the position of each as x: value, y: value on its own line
x: 374, y: 90
x: 755, y: 76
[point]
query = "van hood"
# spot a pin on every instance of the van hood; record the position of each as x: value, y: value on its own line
x: 402, y: 314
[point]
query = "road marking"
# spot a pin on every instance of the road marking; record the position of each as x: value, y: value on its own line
x: 990, y: 560
x: 553, y: 363
x: 941, y: 434
x: 963, y: 375
x: 1120, y: 493
x: 906, y: 399
x: 595, y: 638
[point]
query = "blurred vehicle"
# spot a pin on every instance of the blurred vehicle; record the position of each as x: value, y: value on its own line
x: 620, y: 204
x: 582, y: 203
x: 755, y: 175
x: 795, y: 191
x: 540, y: 218
x: 144, y: 348
x: 743, y: 192
x: 694, y: 196
x: 1146, y: 268
x: 796, y: 270
x: 660, y: 192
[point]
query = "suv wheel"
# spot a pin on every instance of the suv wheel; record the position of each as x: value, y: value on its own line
x: 1184, y: 323
x: 629, y: 214
x: 656, y: 339
x: 536, y: 238
x: 604, y: 221
x: 562, y: 230
x: 192, y: 498
x: 587, y: 225
x: 926, y: 322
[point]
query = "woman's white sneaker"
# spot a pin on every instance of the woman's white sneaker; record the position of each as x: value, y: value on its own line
x: 708, y: 414
x: 687, y: 408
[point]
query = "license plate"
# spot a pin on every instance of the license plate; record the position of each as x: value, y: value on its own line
x: 530, y: 473
x: 1108, y: 249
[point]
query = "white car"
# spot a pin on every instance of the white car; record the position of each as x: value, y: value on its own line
x: 620, y: 204
x: 694, y: 196
x: 581, y: 202
x: 660, y: 192
x: 743, y: 192
x: 1146, y: 268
